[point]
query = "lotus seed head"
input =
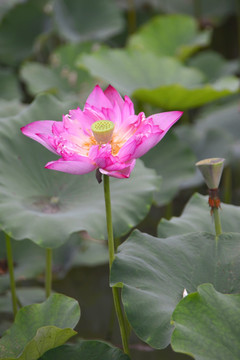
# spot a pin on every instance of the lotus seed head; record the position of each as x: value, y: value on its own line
x: 102, y: 131
x: 211, y: 170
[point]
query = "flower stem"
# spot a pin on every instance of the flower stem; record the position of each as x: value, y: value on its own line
x: 109, y: 220
x: 218, y: 227
x: 132, y: 21
x: 169, y: 210
x: 11, y: 274
x: 197, y: 9
x: 116, y: 297
x: 238, y: 20
x: 48, y: 274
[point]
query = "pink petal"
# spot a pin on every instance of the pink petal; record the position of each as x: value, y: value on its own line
x: 72, y: 167
x: 81, y: 119
x: 40, y: 131
x: 166, y: 119
x: 102, y: 156
x: 93, y: 113
x: 57, y: 128
x: 114, y: 166
x: 113, y: 95
x: 128, y: 150
x: 113, y: 115
x: 98, y: 99
x: 46, y: 139
x: 120, y: 174
x: 128, y: 109
x: 146, y: 144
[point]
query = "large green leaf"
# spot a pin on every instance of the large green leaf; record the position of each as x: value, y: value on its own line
x: 64, y: 60
x: 65, y: 56
x: 86, y: 350
x: 40, y: 78
x: 80, y: 250
x: 173, y: 35
x: 207, y: 325
x: 29, y: 259
x: 213, y: 65
x: 6, y: 5
x: 212, y: 143
x: 47, y: 206
x: 10, y: 108
x: 175, y: 162
x: 9, y: 89
x: 129, y: 69
x: 19, y: 30
x: 196, y: 217
x: 62, y: 78
x: 213, y: 9
x: 87, y: 19
x: 215, y: 132
x: 224, y: 117
x: 157, y: 80
x: 26, y: 296
x: 154, y: 273
x: 40, y: 327
x: 177, y: 96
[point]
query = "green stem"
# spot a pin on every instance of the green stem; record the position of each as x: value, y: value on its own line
x: 109, y: 219
x: 238, y: 20
x: 121, y: 320
x: 11, y: 274
x: 169, y: 210
x: 218, y: 227
x: 132, y: 22
x: 197, y: 9
x: 116, y: 297
x: 48, y: 274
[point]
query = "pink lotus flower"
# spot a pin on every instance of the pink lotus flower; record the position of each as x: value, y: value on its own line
x: 106, y: 135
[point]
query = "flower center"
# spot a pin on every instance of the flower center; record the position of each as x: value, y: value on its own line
x: 102, y: 131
